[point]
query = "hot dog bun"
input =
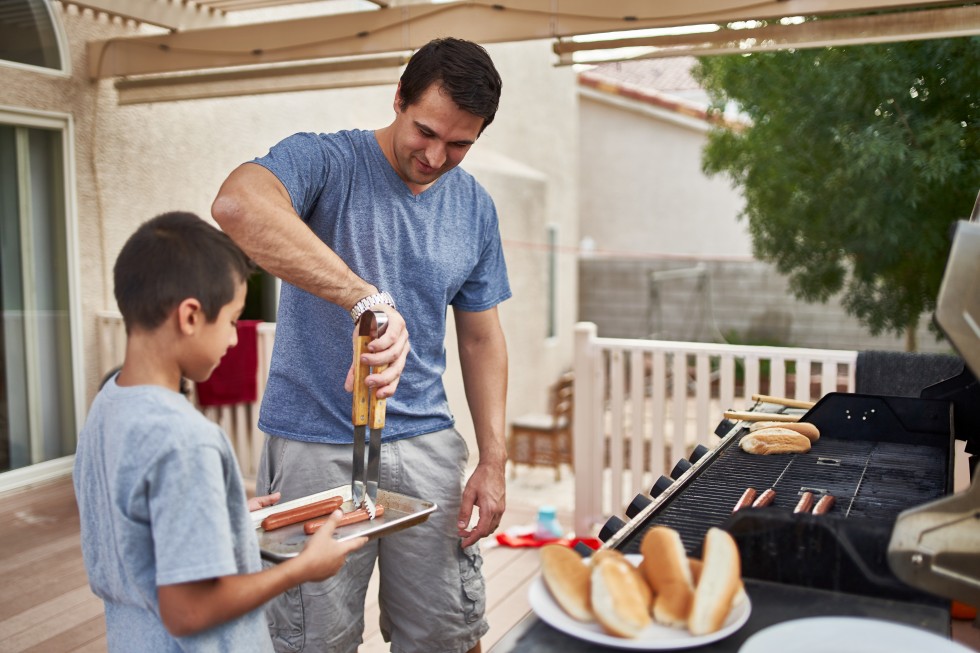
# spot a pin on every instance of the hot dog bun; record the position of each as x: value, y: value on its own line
x: 803, y: 428
x: 718, y: 584
x: 666, y: 568
x: 566, y: 576
x: 775, y: 440
x: 645, y: 589
x: 740, y: 595
x: 618, y: 597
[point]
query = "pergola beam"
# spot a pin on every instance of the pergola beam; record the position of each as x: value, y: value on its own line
x: 174, y: 15
x: 884, y: 28
x: 408, y: 27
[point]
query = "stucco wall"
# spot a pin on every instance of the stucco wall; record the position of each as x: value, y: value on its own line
x: 643, y: 191
x: 133, y: 162
x: 745, y: 302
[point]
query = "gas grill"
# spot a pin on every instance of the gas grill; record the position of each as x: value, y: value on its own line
x: 877, y: 456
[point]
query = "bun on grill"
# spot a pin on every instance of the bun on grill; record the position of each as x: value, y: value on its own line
x: 803, y: 428
x: 668, y: 571
x: 566, y: 576
x: 620, y: 597
x: 718, y: 584
x: 775, y: 440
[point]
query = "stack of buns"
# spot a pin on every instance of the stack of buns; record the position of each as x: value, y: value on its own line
x: 779, y: 437
x: 666, y: 587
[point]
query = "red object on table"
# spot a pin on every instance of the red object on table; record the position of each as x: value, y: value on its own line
x: 530, y: 540
x: 235, y: 381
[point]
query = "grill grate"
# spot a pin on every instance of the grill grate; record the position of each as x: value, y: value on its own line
x: 870, y: 480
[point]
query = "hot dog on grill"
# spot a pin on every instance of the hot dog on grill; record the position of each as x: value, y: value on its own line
x: 302, y: 513
x: 765, y: 499
x: 825, y: 505
x: 805, y: 503
x: 746, y: 500
x: 352, y: 517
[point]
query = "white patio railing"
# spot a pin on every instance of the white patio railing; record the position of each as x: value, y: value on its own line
x: 640, y: 405
x: 663, y: 398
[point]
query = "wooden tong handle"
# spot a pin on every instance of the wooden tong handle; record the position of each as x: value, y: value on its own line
x: 377, y: 409
x: 360, y: 407
x: 749, y: 416
x: 783, y: 401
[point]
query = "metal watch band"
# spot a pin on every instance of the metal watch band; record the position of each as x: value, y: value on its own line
x: 369, y: 301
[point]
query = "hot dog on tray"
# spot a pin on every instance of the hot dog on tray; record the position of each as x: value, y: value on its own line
x: 302, y: 513
x: 352, y: 517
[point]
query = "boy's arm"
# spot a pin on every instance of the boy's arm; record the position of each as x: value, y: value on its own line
x: 188, y: 608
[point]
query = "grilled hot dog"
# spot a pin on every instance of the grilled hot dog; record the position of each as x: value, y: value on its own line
x: 352, y: 517
x: 302, y: 513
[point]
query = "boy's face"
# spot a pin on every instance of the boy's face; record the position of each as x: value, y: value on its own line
x: 214, y: 339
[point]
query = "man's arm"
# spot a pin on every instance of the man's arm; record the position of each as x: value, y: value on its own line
x: 483, y: 358
x: 189, y: 608
x: 254, y: 209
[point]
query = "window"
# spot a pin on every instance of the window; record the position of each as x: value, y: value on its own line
x: 37, y: 396
x: 27, y: 34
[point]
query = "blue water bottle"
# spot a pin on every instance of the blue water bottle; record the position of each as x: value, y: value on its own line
x: 548, y: 527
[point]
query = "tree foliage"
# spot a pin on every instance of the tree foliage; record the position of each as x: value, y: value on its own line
x: 854, y: 166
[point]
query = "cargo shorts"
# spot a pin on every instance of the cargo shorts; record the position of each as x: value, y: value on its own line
x: 431, y: 593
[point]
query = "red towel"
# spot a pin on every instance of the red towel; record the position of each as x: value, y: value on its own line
x: 234, y: 380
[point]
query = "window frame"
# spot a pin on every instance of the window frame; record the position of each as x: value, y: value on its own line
x: 61, y: 40
x: 63, y: 123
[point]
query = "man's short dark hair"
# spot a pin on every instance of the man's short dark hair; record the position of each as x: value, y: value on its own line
x: 465, y: 71
x: 173, y: 257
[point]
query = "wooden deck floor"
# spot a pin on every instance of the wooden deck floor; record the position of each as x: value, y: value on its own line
x: 46, y: 605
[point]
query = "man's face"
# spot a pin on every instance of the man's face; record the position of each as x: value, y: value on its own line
x: 431, y: 137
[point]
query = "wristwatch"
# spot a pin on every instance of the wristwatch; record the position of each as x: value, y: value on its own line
x: 369, y: 301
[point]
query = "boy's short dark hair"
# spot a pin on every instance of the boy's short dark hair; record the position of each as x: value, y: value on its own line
x: 171, y: 258
x: 465, y: 71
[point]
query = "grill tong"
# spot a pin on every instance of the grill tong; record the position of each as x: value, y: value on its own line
x: 367, y: 410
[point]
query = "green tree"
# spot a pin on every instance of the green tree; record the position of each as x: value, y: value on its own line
x: 854, y: 165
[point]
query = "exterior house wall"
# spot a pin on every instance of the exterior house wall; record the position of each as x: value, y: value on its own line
x: 647, y: 210
x: 135, y: 161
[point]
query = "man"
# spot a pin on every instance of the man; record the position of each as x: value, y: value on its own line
x: 342, y: 217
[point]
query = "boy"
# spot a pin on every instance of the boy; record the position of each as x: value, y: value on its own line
x: 166, y: 535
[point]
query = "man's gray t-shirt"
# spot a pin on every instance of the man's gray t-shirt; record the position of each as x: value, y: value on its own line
x: 436, y: 249
x: 161, y: 502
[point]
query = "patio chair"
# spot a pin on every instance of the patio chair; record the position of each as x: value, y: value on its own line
x: 545, y: 439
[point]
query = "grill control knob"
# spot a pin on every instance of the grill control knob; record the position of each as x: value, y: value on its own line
x: 662, y: 484
x: 682, y: 466
x: 639, y: 502
x: 583, y: 549
x: 698, y: 453
x: 611, y: 527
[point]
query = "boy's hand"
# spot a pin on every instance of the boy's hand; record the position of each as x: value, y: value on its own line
x: 323, y: 556
x: 256, y: 503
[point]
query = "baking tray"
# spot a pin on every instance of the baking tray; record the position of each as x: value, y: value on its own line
x: 401, y: 511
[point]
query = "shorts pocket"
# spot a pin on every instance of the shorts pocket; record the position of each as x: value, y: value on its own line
x: 474, y: 595
x: 284, y: 614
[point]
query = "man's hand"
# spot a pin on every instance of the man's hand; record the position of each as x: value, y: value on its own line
x: 390, y: 349
x: 487, y: 490
x: 257, y: 503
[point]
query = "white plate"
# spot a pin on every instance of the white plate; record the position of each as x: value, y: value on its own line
x: 653, y: 637
x: 847, y: 635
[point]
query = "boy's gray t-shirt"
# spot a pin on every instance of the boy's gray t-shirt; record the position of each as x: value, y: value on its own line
x: 161, y: 502
x: 436, y: 249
